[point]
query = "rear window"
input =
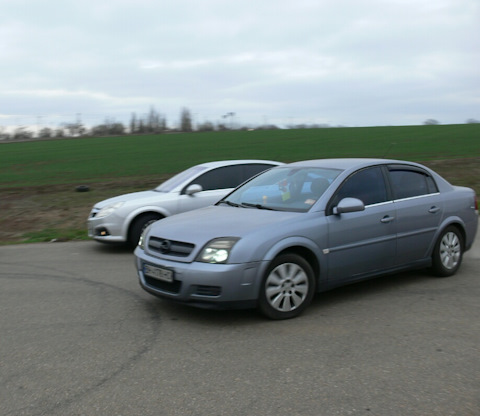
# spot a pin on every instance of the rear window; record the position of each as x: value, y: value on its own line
x: 411, y: 183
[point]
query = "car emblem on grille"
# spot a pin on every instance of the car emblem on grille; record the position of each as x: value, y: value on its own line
x: 165, y: 246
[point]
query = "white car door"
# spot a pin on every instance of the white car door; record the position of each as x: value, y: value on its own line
x: 201, y: 199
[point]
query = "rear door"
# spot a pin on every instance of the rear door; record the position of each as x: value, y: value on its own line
x: 419, y: 211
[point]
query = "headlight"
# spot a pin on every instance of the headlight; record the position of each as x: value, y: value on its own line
x: 217, y: 250
x: 142, y: 239
x: 108, y: 209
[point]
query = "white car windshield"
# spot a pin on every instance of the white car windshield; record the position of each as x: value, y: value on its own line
x: 180, y: 178
x: 284, y: 189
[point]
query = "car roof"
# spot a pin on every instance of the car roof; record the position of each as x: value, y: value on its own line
x: 221, y: 163
x: 348, y: 163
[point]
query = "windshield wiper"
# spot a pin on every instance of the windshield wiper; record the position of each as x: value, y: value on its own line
x: 258, y: 206
x: 232, y: 204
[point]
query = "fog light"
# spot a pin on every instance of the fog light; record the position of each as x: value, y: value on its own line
x: 102, y: 232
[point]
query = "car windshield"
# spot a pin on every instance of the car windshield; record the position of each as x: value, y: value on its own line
x: 284, y: 189
x: 178, y: 179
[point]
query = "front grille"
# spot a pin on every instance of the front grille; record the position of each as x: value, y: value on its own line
x: 170, y: 247
x: 173, y: 287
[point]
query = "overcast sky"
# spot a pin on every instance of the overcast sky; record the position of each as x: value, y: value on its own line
x: 335, y: 62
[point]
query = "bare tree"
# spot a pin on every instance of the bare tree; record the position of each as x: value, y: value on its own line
x: 155, y: 122
x: 21, y: 133
x: 133, y: 124
x: 206, y: 126
x: 109, y: 128
x: 75, y: 129
x: 59, y: 133
x: 185, y: 120
x: 45, y: 133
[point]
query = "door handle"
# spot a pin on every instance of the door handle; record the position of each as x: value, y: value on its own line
x: 386, y: 219
x: 433, y: 210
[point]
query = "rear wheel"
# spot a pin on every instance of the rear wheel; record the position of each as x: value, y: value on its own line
x: 448, y: 252
x: 287, y: 288
x: 139, y: 224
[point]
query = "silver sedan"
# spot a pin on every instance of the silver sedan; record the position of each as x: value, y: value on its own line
x: 122, y: 219
x: 308, y: 227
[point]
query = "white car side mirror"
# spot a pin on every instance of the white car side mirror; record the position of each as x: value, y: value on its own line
x: 193, y: 189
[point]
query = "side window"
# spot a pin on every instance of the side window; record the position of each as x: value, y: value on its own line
x: 252, y: 170
x: 220, y: 178
x: 410, y: 183
x: 432, y: 186
x: 368, y: 185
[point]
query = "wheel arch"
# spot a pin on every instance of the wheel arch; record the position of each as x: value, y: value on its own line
x: 307, y: 254
x: 454, y: 222
x: 302, y: 247
x: 138, y: 214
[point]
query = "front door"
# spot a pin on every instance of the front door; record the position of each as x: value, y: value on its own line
x: 361, y: 243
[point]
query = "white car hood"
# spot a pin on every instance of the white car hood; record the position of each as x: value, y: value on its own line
x: 140, y: 198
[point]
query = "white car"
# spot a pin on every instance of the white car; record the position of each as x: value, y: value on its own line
x: 123, y: 218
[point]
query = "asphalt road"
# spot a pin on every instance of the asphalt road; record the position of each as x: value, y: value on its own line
x: 79, y: 337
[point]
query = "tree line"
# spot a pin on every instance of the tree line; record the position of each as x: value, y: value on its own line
x: 151, y: 123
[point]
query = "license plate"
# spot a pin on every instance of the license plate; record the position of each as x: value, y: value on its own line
x: 159, y: 273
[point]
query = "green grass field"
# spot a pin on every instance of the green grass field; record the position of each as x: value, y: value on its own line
x: 93, y: 160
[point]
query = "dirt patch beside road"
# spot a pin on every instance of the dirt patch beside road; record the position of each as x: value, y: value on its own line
x: 60, y: 208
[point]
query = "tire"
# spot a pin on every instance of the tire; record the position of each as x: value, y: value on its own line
x: 82, y: 188
x: 448, y: 252
x: 138, y: 225
x: 287, y: 287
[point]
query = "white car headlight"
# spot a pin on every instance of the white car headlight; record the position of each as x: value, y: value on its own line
x: 105, y: 211
x: 217, y: 250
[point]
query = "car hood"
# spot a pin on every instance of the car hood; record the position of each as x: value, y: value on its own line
x: 142, y: 197
x: 202, y: 225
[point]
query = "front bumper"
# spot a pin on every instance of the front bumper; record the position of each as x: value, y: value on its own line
x: 104, y: 229
x: 218, y: 286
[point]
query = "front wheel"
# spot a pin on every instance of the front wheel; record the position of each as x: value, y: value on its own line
x: 448, y: 252
x: 138, y: 225
x: 287, y: 288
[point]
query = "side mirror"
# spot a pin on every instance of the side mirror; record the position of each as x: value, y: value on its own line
x: 193, y: 189
x: 349, y: 205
